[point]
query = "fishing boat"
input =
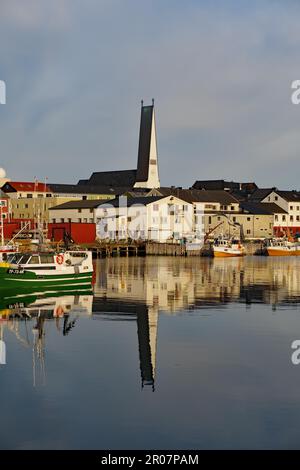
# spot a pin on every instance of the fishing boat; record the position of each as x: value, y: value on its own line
x: 46, y: 270
x: 6, y: 250
x: 227, y: 247
x: 283, y: 247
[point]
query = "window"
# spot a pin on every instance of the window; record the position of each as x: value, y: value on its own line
x: 29, y: 196
x: 291, y: 208
x: 209, y: 220
x: 34, y: 260
x: 248, y: 232
x: 79, y: 210
x: 40, y: 195
x: 47, y: 259
x: 91, y: 211
x: 69, y: 220
x: 232, y: 208
x: 283, y: 218
x: 155, y: 207
x: 248, y: 219
x: 291, y: 218
x: 84, y: 198
x: 62, y: 220
x: 234, y: 219
x: 79, y: 220
x: 276, y: 198
x: 85, y: 220
x: 276, y: 218
x: 48, y: 195
x: 53, y: 221
x: 297, y: 218
x: 26, y: 206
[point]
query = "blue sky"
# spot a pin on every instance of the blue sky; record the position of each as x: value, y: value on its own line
x: 220, y: 73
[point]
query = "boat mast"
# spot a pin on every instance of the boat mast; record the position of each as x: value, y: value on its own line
x: 2, y: 227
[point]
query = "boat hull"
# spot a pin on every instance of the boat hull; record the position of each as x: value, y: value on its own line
x: 282, y: 252
x: 227, y: 254
x: 24, y: 280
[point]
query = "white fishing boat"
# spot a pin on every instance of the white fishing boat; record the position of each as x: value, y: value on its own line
x: 227, y: 247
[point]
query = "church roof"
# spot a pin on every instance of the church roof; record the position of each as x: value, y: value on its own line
x: 124, y: 178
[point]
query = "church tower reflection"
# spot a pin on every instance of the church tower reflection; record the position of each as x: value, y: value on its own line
x: 147, y: 323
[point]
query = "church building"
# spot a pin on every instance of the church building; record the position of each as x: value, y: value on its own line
x: 146, y: 175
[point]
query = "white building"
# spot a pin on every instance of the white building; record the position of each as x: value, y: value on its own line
x: 289, y: 201
x: 156, y: 218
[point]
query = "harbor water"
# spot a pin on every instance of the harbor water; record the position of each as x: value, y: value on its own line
x: 165, y: 353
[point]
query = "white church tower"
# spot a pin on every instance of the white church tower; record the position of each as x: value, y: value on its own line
x: 147, y: 168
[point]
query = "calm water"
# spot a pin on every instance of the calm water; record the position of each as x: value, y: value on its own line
x: 168, y: 353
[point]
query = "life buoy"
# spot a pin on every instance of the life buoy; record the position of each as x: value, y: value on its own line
x: 60, y: 259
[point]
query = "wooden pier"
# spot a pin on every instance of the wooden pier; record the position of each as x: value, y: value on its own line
x: 146, y: 248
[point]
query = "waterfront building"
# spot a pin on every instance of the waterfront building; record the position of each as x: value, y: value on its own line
x: 155, y: 218
x: 287, y: 222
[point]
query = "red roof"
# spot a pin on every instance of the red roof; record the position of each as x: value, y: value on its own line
x: 24, y: 186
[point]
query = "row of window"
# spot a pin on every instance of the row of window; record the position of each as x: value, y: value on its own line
x: 84, y: 220
x: 284, y: 218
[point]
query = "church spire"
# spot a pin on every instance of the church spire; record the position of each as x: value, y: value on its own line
x: 147, y: 168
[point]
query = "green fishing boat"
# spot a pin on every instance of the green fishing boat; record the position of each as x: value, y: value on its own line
x: 44, y: 271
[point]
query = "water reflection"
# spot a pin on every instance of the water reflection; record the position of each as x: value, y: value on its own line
x: 26, y: 317
x: 172, y: 284
x: 137, y: 290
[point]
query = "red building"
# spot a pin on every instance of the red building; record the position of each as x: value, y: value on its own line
x: 78, y: 231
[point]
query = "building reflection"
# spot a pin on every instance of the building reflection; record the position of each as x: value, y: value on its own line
x: 173, y: 284
x: 137, y: 290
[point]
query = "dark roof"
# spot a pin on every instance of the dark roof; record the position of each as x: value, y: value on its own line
x: 82, y: 204
x: 289, y: 195
x: 260, y: 193
x: 81, y: 189
x: 143, y: 201
x: 194, y: 195
x: 261, y: 208
x: 144, y: 143
x: 113, y: 179
x: 215, y: 184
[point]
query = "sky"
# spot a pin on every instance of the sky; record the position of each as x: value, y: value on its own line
x: 220, y: 73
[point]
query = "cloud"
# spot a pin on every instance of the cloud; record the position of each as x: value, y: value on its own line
x: 221, y: 78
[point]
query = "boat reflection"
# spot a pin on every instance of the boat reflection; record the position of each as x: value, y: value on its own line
x: 137, y: 290
x: 19, y: 311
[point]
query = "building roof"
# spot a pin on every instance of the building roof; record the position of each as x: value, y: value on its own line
x: 112, y: 179
x: 144, y: 143
x: 81, y: 189
x: 260, y: 193
x: 261, y: 208
x: 82, y: 204
x: 18, y: 186
x: 222, y: 184
x: 215, y: 184
x: 289, y: 196
x: 195, y: 195
x: 131, y: 201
